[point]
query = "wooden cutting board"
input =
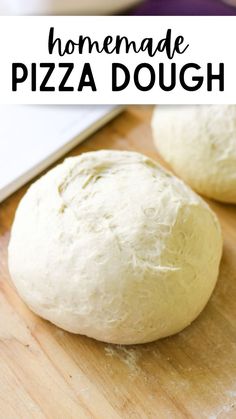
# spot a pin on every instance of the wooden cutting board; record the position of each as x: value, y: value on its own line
x: 48, y: 373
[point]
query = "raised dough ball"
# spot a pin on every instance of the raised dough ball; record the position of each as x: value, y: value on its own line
x: 199, y: 143
x: 112, y: 246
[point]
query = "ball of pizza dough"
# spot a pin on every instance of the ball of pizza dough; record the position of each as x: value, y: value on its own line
x: 112, y: 246
x: 199, y: 143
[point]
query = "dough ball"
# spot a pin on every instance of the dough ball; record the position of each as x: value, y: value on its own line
x: 199, y: 143
x: 112, y: 246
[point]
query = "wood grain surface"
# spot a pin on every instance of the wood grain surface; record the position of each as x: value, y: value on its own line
x: 48, y: 373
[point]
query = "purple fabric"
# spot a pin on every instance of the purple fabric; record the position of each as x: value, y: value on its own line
x: 184, y: 7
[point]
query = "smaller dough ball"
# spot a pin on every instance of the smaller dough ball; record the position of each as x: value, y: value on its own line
x: 199, y: 143
x: 112, y: 246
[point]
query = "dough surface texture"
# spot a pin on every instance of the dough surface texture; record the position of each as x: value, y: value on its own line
x: 111, y: 245
x: 199, y: 143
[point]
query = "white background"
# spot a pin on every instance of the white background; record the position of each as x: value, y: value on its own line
x: 210, y: 39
